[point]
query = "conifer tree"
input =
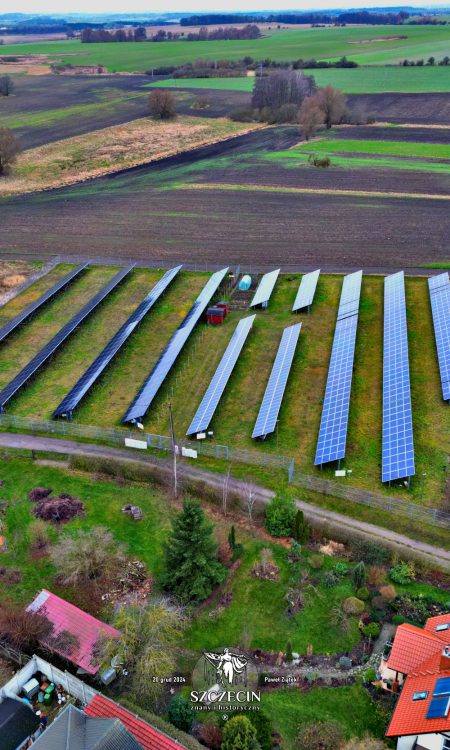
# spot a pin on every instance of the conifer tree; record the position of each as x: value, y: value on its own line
x: 240, y: 734
x: 232, y: 538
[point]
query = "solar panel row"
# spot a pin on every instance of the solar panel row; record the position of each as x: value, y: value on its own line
x: 220, y: 378
x: 87, y: 380
x: 38, y: 303
x: 439, y: 288
x: 46, y: 352
x: 152, y: 384
x: 273, y: 396
x: 397, y: 442
x: 265, y: 288
x: 332, y: 438
x: 306, y: 290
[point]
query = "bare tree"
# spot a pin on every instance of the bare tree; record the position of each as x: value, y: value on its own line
x: 310, y: 117
x: 89, y: 557
x: 10, y: 148
x: 162, y: 104
x: 250, y: 499
x: 6, y: 85
x: 280, y: 88
x: 333, y: 105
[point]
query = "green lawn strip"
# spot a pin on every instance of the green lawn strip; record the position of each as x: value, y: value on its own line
x: 291, y: 44
x: 350, y: 706
x: 442, y: 265
x: 295, y: 159
x: 83, y: 346
x: 21, y: 346
x: 388, y: 148
x: 375, y: 79
x: 33, y: 292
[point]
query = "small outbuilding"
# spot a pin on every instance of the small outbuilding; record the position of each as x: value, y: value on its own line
x: 18, y: 722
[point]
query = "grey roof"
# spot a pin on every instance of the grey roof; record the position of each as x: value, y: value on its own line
x: 74, y: 730
x: 17, y: 722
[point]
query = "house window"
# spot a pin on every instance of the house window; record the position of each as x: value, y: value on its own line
x: 446, y: 743
x: 421, y: 696
x: 443, y: 626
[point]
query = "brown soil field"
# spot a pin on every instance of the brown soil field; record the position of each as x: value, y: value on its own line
x: 399, y: 133
x: 420, y: 109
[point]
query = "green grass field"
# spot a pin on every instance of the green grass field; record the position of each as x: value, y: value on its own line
x: 238, y: 408
x: 328, y: 43
x: 367, y: 80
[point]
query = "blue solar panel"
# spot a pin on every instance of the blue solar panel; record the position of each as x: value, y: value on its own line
x: 306, y: 290
x: 220, y: 378
x: 439, y: 287
x: 271, y: 403
x: 265, y: 288
x: 398, y: 446
x: 442, y: 687
x: 334, y: 421
x: 159, y: 372
x: 38, y: 303
x: 87, y: 380
x: 46, y: 352
x: 438, y: 708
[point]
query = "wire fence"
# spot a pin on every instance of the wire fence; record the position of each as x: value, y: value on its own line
x: 124, y: 438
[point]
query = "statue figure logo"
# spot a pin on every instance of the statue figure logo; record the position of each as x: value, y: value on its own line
x: 227, y: 668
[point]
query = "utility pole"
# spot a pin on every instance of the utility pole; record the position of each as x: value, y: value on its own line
x: 174, y: 450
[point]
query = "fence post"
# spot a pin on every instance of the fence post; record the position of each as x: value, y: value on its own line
x: 291, y: 470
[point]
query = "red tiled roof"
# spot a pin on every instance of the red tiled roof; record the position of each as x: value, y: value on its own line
x: 67, y: 618
x: 149, y: 737
x: 412, y: 646
x: 410, y: 716
x: 432, y: 623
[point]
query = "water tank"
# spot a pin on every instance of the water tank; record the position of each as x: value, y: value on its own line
x: 245, y: 283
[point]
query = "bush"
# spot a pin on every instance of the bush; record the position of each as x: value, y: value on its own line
x: 330, y: 580
x: 280, y: 515
x: 162, y: 104
x: 180, y: 714
x: 242, y: 114
x: 398, y: 620
x: 369, y: 552
x: 239, y: 733
x: 341, y: 569
x: 301, y: 530
x: 376, y: 575
x: 363, y: 594
x: 345, y: 662
x: 23, y: 629
x: 379, y: 602
x: 39, y: 493
x: 372, y: 630
x: 264, y: 728
x: 353, y: 606
x: 370, y: 675
x: 238, y: 551
x: 388, y: 593
x: 359, y: 575
x: 403, y: 572
x: 316, y: 561
x: 320, y: 735
x: 211, y: 736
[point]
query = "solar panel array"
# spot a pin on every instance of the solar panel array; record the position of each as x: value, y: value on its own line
x: 334, y: 421
x: 30, y: 309
x: 265, y: 288
x: 439, y: 288
x: 159, y: 372
x: 306, y: 290
x: 46, y: 352
x: 87, y: 380
x: 397, y: 444
x: 273, y: 396
x: 214, y: 392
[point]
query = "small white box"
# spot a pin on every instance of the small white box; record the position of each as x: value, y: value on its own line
x: 132, y: 443
x: 340, y: 473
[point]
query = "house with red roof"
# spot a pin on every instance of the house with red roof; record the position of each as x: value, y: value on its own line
x: 147, y: 736
x: 75, y: 634
x: 420, y: 660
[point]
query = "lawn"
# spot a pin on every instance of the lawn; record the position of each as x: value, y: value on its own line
x: 388, y: 148
x: 110, y: 149
x: 364, y: 80
x: 326, y: 43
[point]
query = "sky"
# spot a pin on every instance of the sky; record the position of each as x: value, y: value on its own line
x: 175, y: 6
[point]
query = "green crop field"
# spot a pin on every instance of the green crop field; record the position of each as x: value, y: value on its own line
x: 296, y: 435
x: 375, y: 79
x: 328, y: 43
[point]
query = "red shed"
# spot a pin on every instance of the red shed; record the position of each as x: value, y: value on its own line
x: 215, y: 315
x: 225, y: 306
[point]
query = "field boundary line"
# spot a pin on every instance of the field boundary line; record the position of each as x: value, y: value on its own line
x: 305, y: 191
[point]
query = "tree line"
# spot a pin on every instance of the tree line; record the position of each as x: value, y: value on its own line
x: 359, y: 17
x: 139, y: 34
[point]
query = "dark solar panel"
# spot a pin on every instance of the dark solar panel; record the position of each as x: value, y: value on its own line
x: 159, y: 372
x: 46, y: 352
x: 87, y: 380
x: 439, y: 287
x: 265, y: 288
x: 220, y: 378
x: 271, y: 403
x: 442, y: 687
x: 438, y: 708
x: 38, y: 303
x: 397, y: 444
x: 334, y: 421
x: 306, y: 290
